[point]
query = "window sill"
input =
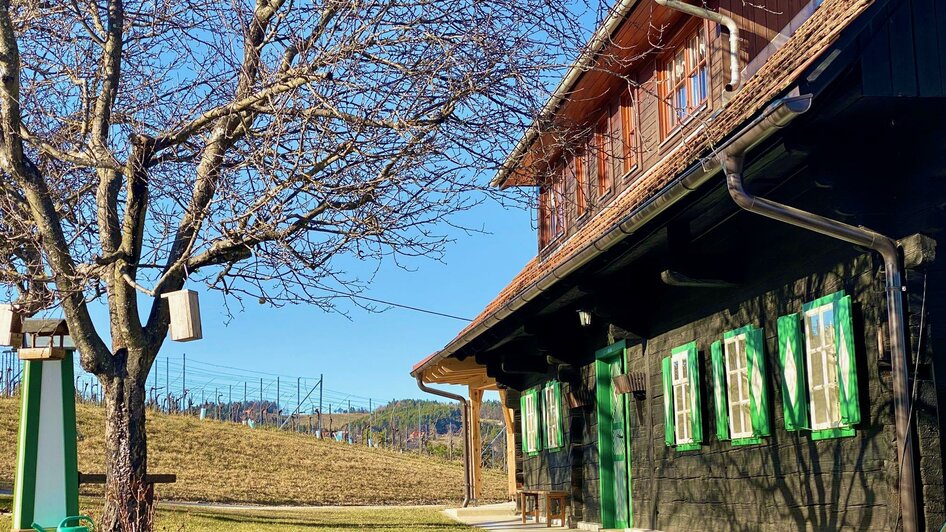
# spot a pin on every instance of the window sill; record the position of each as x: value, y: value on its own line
x: 631, y: 172
x: 746, y: 441
x: 688, y: 447
x: 830, y: 434
x: 552, y: 244
x: 674, y: 133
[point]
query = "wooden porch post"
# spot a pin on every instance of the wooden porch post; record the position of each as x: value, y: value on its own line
x: 509, y: 416
x: 476, y: 402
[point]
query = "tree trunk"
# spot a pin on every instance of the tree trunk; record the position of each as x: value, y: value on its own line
x: 127, y: 507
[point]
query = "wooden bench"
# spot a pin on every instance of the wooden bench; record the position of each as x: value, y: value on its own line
x: 558, y: 498
x: 150, y: 481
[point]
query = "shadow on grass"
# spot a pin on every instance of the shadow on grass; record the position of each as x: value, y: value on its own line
x: 325, y: 520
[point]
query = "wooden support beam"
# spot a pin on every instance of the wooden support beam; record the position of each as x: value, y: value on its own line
x: 476, y: 449
x: 509, y: 417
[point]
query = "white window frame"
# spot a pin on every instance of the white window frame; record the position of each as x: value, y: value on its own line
x: 682, y: 397
x: 829, y: 370
x: 551, y: 417
x: 738, y: 397
x: 532, y: 420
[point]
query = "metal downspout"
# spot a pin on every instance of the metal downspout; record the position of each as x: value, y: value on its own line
x: 733, y: 158
x: 465, y: 421
x: 734, y: 76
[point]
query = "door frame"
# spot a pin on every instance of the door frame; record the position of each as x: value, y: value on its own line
x: 603, y: 360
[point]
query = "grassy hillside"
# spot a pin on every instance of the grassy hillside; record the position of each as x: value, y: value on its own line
x: 225, y: 462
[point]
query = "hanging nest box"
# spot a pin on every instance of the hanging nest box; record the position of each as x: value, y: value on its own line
x: 630, y: 383
x: 185, y: 315
x: 44, y: 340
x: 11, y: 326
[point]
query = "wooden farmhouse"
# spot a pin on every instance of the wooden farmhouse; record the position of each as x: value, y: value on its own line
x: 733, y: 318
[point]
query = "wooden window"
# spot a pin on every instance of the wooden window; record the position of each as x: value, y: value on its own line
x: 551, y: 212
x: 600, y: 148
x: 629, y: 132
x: 529, y: 406
x: 581, y: 186
x: 822, y: 367
x: 739, y: 387
x: 828, y: 373
x: 544, y: 218
x: 682, y: 411
x: 552, y: 415
x: 557, y: 205
x: 684, y: 85
x: 683, y: 424
x: 615, y: 147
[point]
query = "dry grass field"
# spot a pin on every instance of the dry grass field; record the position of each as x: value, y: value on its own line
x: 224, y: 462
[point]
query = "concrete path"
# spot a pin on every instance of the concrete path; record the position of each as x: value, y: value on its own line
x: 494, y: 517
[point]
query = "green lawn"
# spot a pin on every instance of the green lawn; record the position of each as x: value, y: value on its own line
x: 390, y: 519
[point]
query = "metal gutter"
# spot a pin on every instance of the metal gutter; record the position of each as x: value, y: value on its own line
x: 735, y: 78
x: 733, y: 157
x: 698, y: 174
x: 601, y: 37
x: 465, y: 421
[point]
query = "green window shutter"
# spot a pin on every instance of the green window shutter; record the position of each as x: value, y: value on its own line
x: 668, y: 403
x: 524, y: 422
x: 537, y: 420
x: 791, y: 358
x: 545, y: 412
x: 559, y: 422
x: 758, y: 396
x: 847, y: 366
x: 719, y: 391
x: 693, y: 372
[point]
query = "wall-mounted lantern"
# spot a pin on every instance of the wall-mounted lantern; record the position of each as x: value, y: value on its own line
x: 11, y: 326
x: 584, y: 317
x: 45, y: 340
x: 185, y: 315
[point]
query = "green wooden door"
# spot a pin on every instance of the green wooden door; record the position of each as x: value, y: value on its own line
x: 613, y: 443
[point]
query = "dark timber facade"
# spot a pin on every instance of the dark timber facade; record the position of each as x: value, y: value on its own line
x: 762, y: 380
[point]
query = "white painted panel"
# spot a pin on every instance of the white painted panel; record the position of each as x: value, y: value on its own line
x: 50, y: 506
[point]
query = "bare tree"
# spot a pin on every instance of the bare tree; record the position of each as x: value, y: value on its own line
x: 147, y: 143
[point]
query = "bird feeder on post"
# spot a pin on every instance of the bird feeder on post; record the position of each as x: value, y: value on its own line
x: 11, y: 326
x: 46, y: 490
x: 185, y: 315
x: 45, y: 340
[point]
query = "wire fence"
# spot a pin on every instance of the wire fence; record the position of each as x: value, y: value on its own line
x: 259, y: 400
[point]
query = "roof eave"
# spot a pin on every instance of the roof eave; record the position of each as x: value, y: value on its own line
x: 601, y: 37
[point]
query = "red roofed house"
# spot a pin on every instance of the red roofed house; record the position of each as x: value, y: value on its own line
x: 710, y: 337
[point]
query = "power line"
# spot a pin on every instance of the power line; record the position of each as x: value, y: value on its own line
x: 398, y: 305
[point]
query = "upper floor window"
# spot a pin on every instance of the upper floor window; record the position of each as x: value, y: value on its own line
x: 552, y: 209
x: 629, y: 132
x: 684, y: 83
x: 602, y: 152
x: 575, y: 173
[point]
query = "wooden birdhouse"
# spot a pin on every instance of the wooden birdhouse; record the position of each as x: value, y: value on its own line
x: 11, y: 326
x: 185, y: 315
x: 45, y: 340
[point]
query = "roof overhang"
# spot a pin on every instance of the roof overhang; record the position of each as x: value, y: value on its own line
x: 598, y: 42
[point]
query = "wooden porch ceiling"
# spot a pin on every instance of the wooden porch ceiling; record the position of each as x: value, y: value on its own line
x: 464, y: 372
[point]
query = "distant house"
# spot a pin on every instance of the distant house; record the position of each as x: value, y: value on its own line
x: 709, y: 338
